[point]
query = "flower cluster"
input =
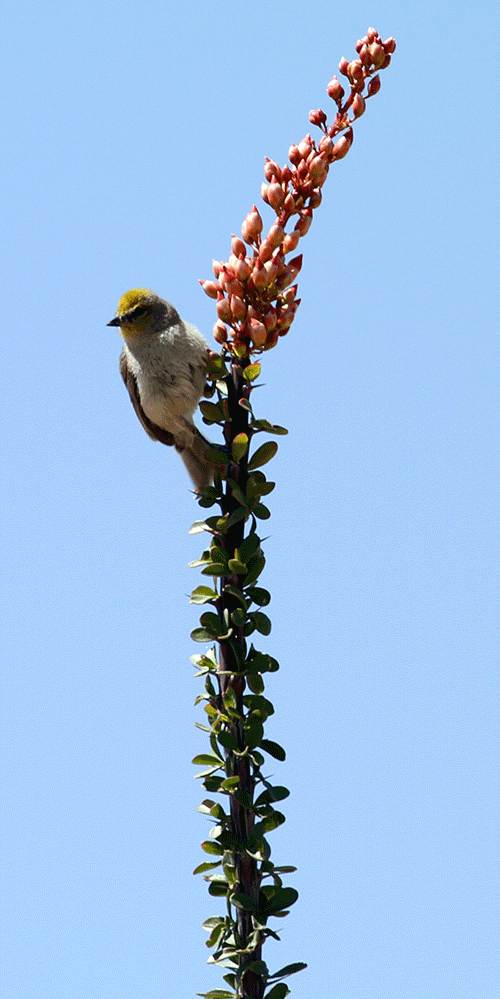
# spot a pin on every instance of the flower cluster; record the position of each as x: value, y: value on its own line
x: 255, y: 291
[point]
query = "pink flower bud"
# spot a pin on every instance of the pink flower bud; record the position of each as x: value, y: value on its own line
x: 291, y: 241
x: 377, y: 54
x: 286, y: 175
x: 211, y: 288
x: 252, y: 226
x: 316, y: 197
x: 364, y: 56
x: 318, y: 171
x: 326, y: 147
x: 270, y: 320
x: 226, y: 275
x: 265, y: 250
x: 223, y: 309
x: 374, y: 86
x: 294, y: 155
x: 289, y: 204
x: 304, y: 223
x: 305, y: 146
x: 371, y: 34
x: 260, y: 277
x: 216, y: 267
x: 317, y: 117
x: 302, y: 170
x: 243, y: 269
x: 341, y: 147
x: 343, y: 64
x: 238, y: 308
x: 275, y: 235
x: 289, y: 294
x: 271, y: 341
x: 257, y: 332
x: 219, y: 332
x: 355, y: 71
x: 237, y: 246
x: 272, y: 171
x: 263, y: 192
x: 358, y: 106
x: 271, y: 269
x: 335, y: 90
x: 275, y: 196
x: 389, y: 45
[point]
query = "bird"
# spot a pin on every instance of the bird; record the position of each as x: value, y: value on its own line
x: 163, y: 366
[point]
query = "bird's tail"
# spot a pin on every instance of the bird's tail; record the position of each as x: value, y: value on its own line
x: 201, y: 468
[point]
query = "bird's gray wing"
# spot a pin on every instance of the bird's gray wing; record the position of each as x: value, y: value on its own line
x: 156, y: 433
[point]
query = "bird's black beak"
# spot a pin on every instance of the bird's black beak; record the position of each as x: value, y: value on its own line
x: 115, y: 322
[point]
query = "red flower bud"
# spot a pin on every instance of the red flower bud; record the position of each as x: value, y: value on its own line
x: 272, y: 171
x: 343, y: 64
x: 238, y: 308
x: 211, y: 288
x: 291, y: 241
x: 216, y: 267
x: 220, y: 332
x: 294, y: 155
x: 304, y: 223
x: 237, y: 246
x: 275, y: 196
x: 358, y: 106
x: 252, y: 226
x: 318, y: 171
x: 270, y: 319
x: 316, y: 197
x: 389, y: 45
x: 260, y: 277
x: 223, y: 309
x: 326, y: 147
x: 371, y: 34
x: 374, y: 86
x: 305, y: 146
x: 341, y: 147
x: 275, y: 235
x: 265, y: 250
x: 377, y: 53
x: 317, y: 117
x: 243, y: 269
x: 355, y: 71
x: 256, y: 331
x: 335, y: 90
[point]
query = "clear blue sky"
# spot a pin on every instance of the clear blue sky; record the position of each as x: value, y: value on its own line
x: 136, y: 136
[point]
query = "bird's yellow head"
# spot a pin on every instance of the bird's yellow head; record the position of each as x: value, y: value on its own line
x: 135, y: 309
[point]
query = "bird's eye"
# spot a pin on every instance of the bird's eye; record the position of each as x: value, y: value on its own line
x: 138, y: 311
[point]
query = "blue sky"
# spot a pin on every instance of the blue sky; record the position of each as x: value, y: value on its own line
x: 137, y: 136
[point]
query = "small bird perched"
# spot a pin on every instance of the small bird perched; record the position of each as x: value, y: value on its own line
x: 163, y: 366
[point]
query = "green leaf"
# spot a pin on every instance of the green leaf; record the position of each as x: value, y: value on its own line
x: 243, y: 901
x: 217, y: 994
x: 261, y: 511
x: 270, y: 428
x: 262, y: 622
x: 277, y: 793
x: 207, y: 760
x: 236, y: 593
x: 254, y: 734
x: 212, y: 412
x: 248, y: 547
x: 282, y: 898
x: 251, y: 372
x: 239, y: 446
x: 202, y: 635
x: 255, y: 567
x: 277, y: 992
x: 255, y: 683
x: 238, y: 617
x: 209, y: 846
x: 273, y: 748
x: 203, y: 595
x: 273, y: 821
x: 256, y: 593
x: 227, y: 740
x: 206, y: 866
x: 218, y: 888
x: 213, y: 569
x: 241, y: 513
x: 290, y: 969
x: 262, y: 455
